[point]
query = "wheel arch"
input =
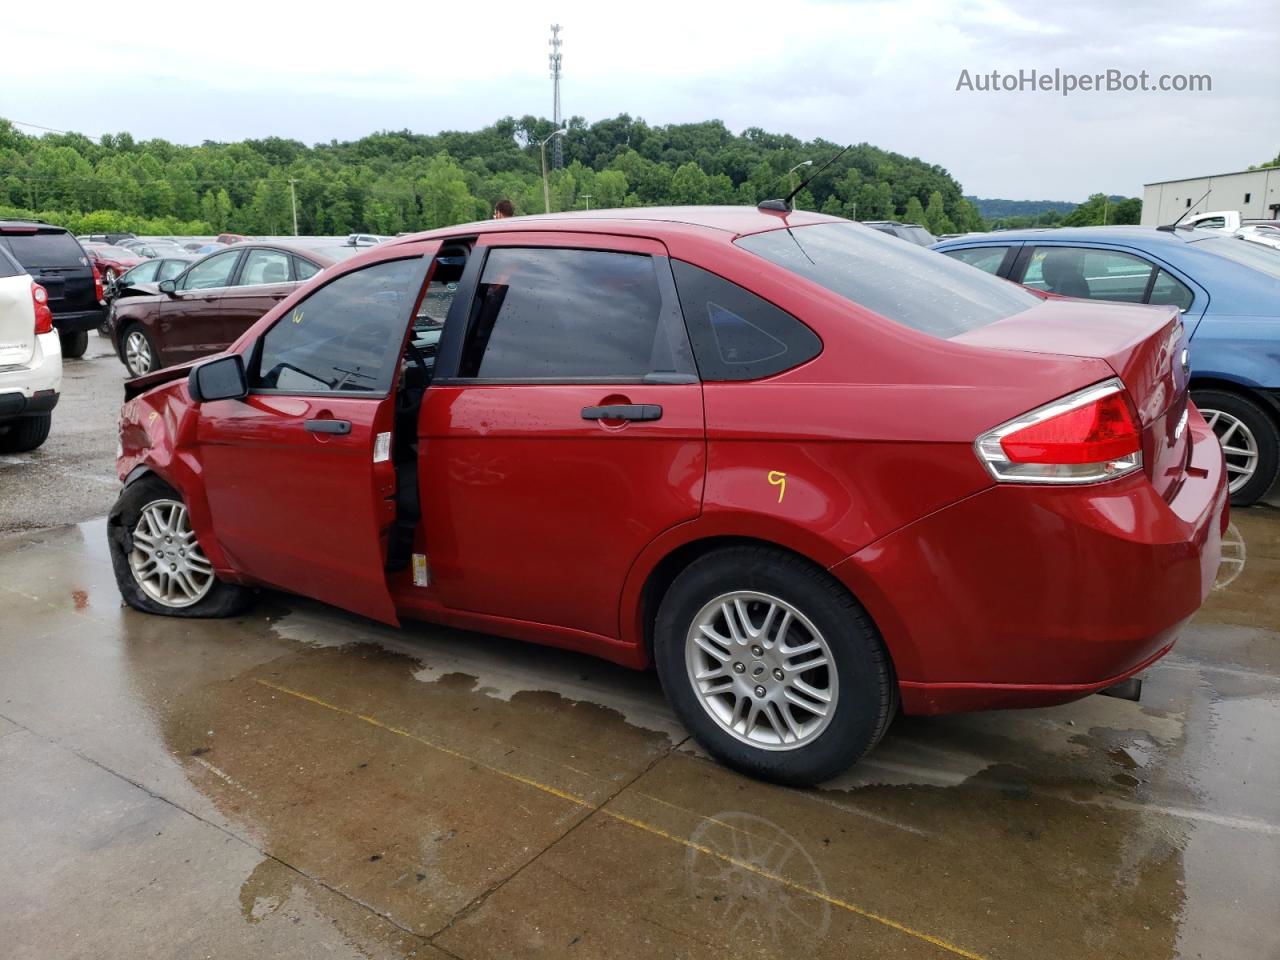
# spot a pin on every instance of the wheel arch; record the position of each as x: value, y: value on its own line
x: 646, y: 592
x: 1269, y: 400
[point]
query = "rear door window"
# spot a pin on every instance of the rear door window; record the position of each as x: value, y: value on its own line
x: 264, y: 267
x: 1088, y: 273
x: 988, y: 259
x: 346, y: 336
x: 45, y: 249
x: 736, y: 335
x: 569, y: 315
x: 904, y: 282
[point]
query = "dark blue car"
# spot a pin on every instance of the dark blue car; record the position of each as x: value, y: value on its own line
x: 1227, y: 288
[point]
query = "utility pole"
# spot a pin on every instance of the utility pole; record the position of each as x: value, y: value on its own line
x: 557, y: 156
x: 1106, y: 202
x: 293, y: 199
x: 587, y: 197
x: 546, y: 190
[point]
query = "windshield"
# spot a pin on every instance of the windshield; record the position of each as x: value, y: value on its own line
x: 904, y: 282
x: 1259, y: 256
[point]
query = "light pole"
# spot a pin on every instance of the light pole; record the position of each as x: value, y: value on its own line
x: 293, y: 199
x: 802, y: 163
x: 587, y: 197
x: 546, y: 190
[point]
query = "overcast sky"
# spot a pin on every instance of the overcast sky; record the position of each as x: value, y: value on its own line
x: 885, y: 73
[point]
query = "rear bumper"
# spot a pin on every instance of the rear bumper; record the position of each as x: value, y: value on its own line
x: 1030, y: 596
x: 77, y: 320
x: 16, y: 405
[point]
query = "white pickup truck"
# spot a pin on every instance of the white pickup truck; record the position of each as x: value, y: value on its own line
x: 1229, y: 221
x: 30, y: 359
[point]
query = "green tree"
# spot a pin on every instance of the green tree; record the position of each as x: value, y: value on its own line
x: 935, y: 216
x: 690, y: 185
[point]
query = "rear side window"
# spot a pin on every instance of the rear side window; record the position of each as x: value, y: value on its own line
x: 264, y: 267
x: 735, y: 334
x: 984, y: 258
x: 9, y: 267
x: 345, y: 336
x: 56, y: 249
x: 1169, y: 289
x: 304, y: 269
x: 554, y: 314
x: 901, y: 281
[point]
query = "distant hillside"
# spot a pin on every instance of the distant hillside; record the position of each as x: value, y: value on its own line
x: 998, y: 209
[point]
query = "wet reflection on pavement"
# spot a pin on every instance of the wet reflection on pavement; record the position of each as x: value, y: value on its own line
x: 299, y: 782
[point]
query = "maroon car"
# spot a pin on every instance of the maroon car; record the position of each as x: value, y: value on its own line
x: 112, y: 261
x: 206, y: 307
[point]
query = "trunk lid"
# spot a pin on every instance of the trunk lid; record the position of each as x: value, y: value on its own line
x: 17, y: 321
x: 1144, y: 345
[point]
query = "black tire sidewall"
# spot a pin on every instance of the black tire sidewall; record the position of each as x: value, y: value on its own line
x: 1265, y: 432
x: 74, y: 344
x: 26, y: 434
x: 867, y: 689
x: 222, y: 600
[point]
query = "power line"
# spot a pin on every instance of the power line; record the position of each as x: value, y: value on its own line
x: 37, y: 126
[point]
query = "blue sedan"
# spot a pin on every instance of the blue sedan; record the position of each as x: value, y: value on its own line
x: 1227, y: 288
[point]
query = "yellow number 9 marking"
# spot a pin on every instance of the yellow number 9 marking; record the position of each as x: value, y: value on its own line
x: 778, y: 479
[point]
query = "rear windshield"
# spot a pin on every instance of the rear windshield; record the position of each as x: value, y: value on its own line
x: 912, y: 285
x: 1249, y: 252
x: 44, y: 249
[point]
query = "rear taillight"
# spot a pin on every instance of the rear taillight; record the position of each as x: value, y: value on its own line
x: 1085, y: 437
x: 98, y: 293
x: 44, y: 316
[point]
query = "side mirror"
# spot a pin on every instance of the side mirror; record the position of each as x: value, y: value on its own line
x: 168, y: 286
x: 220, y: 379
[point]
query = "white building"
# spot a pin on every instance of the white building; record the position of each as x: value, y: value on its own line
x: 1254, y: 193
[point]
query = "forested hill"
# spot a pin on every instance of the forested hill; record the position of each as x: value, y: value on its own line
x: 389, y: 182
x: 993, y: 209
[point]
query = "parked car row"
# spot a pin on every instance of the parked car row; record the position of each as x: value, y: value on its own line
x: 1226, y: 288
x: 60, y: 265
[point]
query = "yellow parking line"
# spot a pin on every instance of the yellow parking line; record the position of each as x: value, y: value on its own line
x: 637, y: 824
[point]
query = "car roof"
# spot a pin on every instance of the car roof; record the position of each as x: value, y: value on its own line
x: 29, y: 225
x: 300, y: 249
x: 1145, y: 236
x: 735, y: 221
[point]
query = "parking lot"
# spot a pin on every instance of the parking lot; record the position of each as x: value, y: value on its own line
x: 298, y: 782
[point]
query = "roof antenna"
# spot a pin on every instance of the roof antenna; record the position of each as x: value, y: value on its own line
x: 1173, y: 226
x: 784, y: 205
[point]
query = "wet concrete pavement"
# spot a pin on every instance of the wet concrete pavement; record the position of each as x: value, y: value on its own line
x: 302, y: 783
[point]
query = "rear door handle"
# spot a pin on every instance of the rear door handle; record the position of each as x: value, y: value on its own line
x: 328, y: 425
x: 623, y: 411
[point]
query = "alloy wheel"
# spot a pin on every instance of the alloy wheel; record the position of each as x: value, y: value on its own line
x: 1239, y: 447
x: 137, y: 353
x: 761, y: 670
x: 167, y: 562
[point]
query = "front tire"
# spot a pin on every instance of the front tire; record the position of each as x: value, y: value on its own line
x: 1250, y: 442
x: 74, y: 344
x: 26, y: 434
x: 772, y: 666
x: 158, y: 563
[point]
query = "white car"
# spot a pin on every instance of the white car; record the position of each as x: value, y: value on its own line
x: 30, y: 359
x: 1229, y: 221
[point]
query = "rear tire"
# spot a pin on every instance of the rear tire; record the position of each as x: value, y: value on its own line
x: 1251, y: 442
x: 746, y: 699
x: 158, y: 563
x: 26, y: 434
x: 74, y: 344
x: 139, y: 351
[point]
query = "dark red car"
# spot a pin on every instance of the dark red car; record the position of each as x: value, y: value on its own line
x: 111, y: 261
x: 212, y: 302
x: 809, y: 471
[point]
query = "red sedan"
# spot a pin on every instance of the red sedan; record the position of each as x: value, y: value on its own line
x: 112, y: 261
x: 806, y: 470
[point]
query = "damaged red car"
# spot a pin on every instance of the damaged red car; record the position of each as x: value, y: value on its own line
x: 812, y: 474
